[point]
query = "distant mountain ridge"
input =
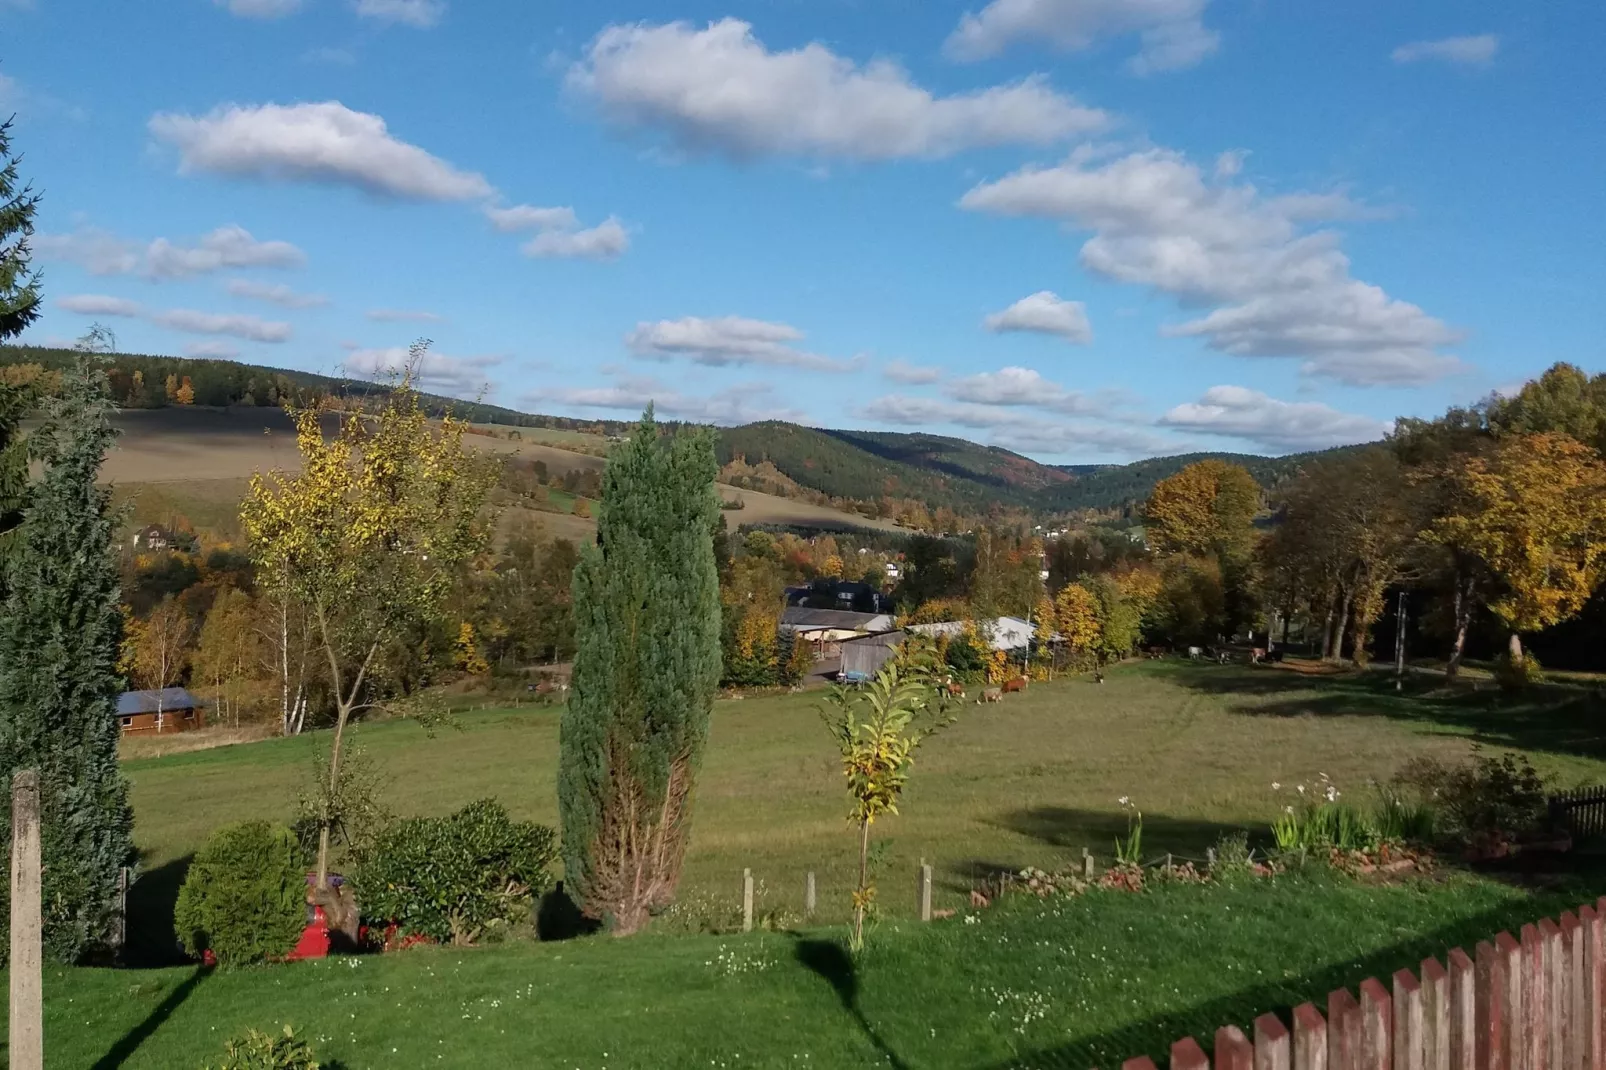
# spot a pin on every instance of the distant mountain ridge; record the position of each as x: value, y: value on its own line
x: 846, y: 465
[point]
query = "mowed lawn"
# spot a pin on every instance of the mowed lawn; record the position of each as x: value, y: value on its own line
x: 1030, y: 781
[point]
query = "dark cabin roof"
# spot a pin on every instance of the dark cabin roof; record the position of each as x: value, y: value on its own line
x: 171, y: 698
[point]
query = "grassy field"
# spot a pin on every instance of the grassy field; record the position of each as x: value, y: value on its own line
x: 1030, y: 781
x: 196, y: 463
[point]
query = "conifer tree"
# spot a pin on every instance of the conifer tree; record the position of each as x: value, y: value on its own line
x: 60, y: 634
x: 19, y: 285
x: 647, y: 625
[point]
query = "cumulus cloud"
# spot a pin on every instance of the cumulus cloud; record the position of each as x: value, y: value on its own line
x: 275, y: 294
x: 1171, y: 33
x: 1045, y: 313
x: 720, y: 89
x: 1240, y: 412
x: 260, y: 9
x: 100, y: 305
x: 1016, y: 386
x: 739, y: 404
x: 459, y: 376
x: 421, y: 14
x: 97, y: 251
x: 211, y: 350
x: 1474, y: 50
x: 401, y: 315
x: 100, y: 252
x: 605, y: 241
x: 1280, y: 289
x: 1010, y: 426
x: 900, y: 371
x: 251, y: 328
x: 529, y: 217
x: 226, y: 247
x: 313, y: 142
x: 726, y: 340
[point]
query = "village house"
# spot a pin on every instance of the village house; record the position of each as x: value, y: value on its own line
x: 1001, y: 633
x: 168, y: 709
x: 827, y: 628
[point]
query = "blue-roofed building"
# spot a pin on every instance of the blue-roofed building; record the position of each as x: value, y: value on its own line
x: 167, y: 709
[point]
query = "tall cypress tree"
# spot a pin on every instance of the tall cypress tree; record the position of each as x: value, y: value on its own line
x: 60, y: 630
x: 647, y: 620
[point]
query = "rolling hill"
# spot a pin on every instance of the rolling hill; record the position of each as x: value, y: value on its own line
x: 939, y: 471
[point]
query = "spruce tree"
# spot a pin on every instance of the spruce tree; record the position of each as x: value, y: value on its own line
x: 60, y: 631
x: 19, y: 285
x: 647, y: 628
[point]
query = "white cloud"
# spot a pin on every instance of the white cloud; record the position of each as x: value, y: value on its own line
x: 529, y: 217
x: 100, y: 305
x: 322, y: 142
x: 1046, y: 313
x: 260, y: 9
x: 1239, y: 412
x: 226, y: 247
x: 1473, y: 50
x: 1172, y: 33
x: 900, y: 371
x: 459, y: 376
x: 211, y: 350
x: 1231, y: 162
x: 1010, y: 426
x: 720, y: 89
x: 1015, y: 386
x: 728, y: 340
x: 421, y: 14
x: 1279, y: 290
x: 605, y: 241
x: 740, y: 404
x: 276, y: 294
x: 251, y: 328
x: 99, y: 252
x: 401, y: 315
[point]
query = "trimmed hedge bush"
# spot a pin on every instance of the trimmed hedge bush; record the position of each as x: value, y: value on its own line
x: 455, y: 878
x: 245, y: 896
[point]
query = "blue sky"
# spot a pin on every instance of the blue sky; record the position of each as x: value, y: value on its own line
x: 1088, y: 230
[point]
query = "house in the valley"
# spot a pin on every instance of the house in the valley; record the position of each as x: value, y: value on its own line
x: 167, y: 709
x: 826, y: 629
x: 1001, y: 633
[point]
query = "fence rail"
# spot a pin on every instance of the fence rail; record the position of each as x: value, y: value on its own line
x: 1537, y: 1002
x: 1581, y: 812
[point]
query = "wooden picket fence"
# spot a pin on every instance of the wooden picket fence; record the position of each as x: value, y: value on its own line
x: 1581, y: 812
x: 1537, y: 1002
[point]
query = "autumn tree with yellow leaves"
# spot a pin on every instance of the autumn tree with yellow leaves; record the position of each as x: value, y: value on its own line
x: 369, y: 536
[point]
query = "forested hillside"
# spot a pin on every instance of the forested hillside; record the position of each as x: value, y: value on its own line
x: 1115, y: 486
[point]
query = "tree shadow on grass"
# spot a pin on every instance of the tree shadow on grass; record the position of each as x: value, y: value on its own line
x: 1097, y: 831
x: 152, y: 941
x: 1154, y: 1036
x: 832, y: 963
x: 558, y: 917
x: 130, y: 1041
x: 1556, y: 718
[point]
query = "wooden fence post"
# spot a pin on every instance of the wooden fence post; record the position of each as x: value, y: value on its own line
x: 1233, y: 1050
x: 925, y: 890
x: 747, y: 900
x: 1142, y: 1062
x: 1534, y: 999
x: 1343, y: 1031
x: 1087, y: 864
x: 1377, y: 1026
x: 1186, y: 1054
x: 1576, y: 1024
x: 1513, y: 1035
x: 1489, y: 989
x: 808, y: 895
x: 1410, y: 1025
x: 1310, y: 1038
x: 26, y: 1041
x: 1272, y: 1049
x: 1552, y: 1013
x: 1435, y: 1016
x: 1463, y: 1012
x: 1594, y: 925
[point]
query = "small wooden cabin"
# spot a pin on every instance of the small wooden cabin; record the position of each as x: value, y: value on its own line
x: 169, y: 709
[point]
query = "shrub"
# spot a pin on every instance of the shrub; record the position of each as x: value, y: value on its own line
x: 454, y: 878
x: 245, y: 896
x: 1234, y: 861
x: 252, y: 1050
x: 1399, y: 819
x: 1519, y: 674
x: 1485, y: 802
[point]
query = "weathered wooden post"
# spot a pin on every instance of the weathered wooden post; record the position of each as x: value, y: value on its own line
x: 747, y: 900
x: 1463, y: 1012
x: 1187, y: 1055
x: 1233, y: 1049
x: 808, y: 895
x: 1087, y: 863
x: 26, y: 1041
x: 1377, y: 1026
x: 1310, y: 1038
x: 1273, y: 1050
x: 1410, y: 1022
x: 925, y: 890
x: 1343, y: 1031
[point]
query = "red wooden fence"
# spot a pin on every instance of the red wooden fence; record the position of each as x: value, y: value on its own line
x: 1535, y: 1002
